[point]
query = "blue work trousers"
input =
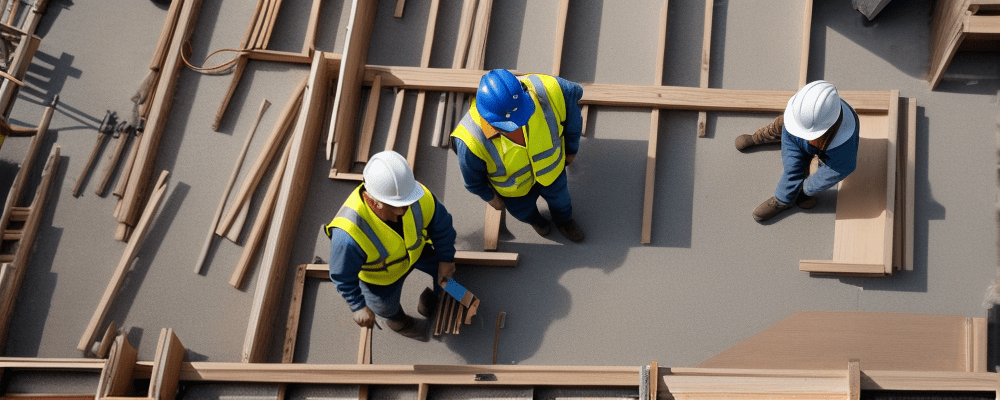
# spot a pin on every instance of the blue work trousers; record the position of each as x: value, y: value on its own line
x: 796, y: 154
x: 383, y: 300
x: 525, y: 208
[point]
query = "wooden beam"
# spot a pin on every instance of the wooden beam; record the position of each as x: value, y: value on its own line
x: 397, y: 112
x: 113, y: 161
x: 368, y: 126
x: 118, y: 276
x: 892, y: 132
x: 107, y: 340
x: 706, y: 53
x: 241, y: 65
x: 116, y: 376
x: 560, y: 36
x: 663, y: 97
x: 833, y: 267
x: 807, y: 6
x: 365, y: 345
x: 910, y: 184
x: 425, y: 60
x: 22, y: 177
x: 26, y: 244
x: 141, y: 173
x: 654, y: 131
x: 294, y: 311
x: 854, y: 379
x: 491, y: 230
x: 271, y: 146
x: 400, y: 5
x: 166, y: 33
x: 253, y: 243
x: 288, y: 209
x: 309, y: 43
x: 352, y: 66
x: 166, y: 366
x: 229, y: 186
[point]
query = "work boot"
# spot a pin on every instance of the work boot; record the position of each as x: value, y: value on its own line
x: 805, y: 201
x: 543, y: 228
x: 410, y: 328
x: 571, y: 231
x: 768, y: 209
x: 767, y: 134
x: 428, y: 302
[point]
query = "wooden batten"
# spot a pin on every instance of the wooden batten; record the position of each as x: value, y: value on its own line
x: 368, y: 125
x: 116, y: 376
x: 274, y: 141
x: 654, y: 132
x: 807, y: 6
x: 352, y: 67
x: 706, y: 53
x: 165, y: 375
x: 491, y: 231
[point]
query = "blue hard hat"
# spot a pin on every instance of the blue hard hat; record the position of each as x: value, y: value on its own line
x: 503, y: 102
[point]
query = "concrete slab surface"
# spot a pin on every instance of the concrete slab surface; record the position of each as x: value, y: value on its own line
x: 711, y: 277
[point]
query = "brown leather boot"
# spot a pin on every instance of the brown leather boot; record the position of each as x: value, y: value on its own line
x: 769, y: 209
x: 571, y: 231
x: 428, y: 303
x: 410, y: 328
x: 767, y: 134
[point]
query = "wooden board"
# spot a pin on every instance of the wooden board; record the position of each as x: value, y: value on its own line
x: 166, y: 366
x: 288, y: 209
x: 368, y: 126
x: 825, y: 339
x: 116, y: 376
x: 352, y: 66
x: 560, y: 36
x: 654, y: 132
x: 663, y: 97
x: 706, y: 53
x: 491, y: 227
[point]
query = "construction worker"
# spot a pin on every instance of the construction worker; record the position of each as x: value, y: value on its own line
x: 514, y: 143
x: 816, y: 123
x: 388, y: 226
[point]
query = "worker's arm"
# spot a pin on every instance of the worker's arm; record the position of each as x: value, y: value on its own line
x: 442, y: 233
x: 839, y: 163
x: 346, y: 258
x: 473, y: 171
x: 573, y: 126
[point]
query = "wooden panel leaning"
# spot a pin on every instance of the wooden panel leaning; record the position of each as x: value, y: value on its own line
x: 166, y: 366
x: 865, y: 227
x: 116, y: 377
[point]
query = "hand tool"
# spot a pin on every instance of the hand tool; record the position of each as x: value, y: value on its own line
x: 107, y: 126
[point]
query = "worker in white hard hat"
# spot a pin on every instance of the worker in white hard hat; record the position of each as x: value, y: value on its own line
x: 514, y: 143
x: 816, y: 123
x: 390, y: 225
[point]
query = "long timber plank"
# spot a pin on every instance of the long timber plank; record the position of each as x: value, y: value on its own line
x: 664, y: 97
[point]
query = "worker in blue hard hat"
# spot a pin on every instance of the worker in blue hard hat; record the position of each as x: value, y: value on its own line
x: 390, y: 225
x: 514, y: 143
x: 816, y: 123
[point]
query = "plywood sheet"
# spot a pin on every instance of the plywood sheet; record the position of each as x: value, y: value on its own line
x: 861, y: 216
x: 827, y: 339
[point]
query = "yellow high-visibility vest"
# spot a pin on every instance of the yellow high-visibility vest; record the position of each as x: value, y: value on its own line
x: 388, y: 255
x: 513, y: 168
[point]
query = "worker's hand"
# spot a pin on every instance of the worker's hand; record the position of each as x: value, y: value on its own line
x: 496, y: 202
x: 364, y: 317
x: 569, y: 159
x: 445, y: 271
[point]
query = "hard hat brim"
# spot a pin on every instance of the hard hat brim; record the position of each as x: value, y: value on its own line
x: 412, y: 197
x: 807, y: 133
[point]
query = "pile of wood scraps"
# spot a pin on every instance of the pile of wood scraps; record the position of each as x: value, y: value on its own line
x: 455, y: 306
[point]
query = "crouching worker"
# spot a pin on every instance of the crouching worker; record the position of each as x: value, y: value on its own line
x: 388, y: 226
x: 816, y: 123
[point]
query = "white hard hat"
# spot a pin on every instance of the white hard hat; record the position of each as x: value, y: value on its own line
x: 388, y: 179
x: 812, y: 110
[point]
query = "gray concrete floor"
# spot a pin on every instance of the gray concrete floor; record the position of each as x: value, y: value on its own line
x: 710, y: 278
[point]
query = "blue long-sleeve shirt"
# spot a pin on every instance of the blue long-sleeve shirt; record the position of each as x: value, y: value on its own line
x: 346, y: 255
x: 474, y: 168
x: 836, y: 163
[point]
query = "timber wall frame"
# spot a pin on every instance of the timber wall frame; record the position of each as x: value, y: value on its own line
x: 954, y: 23
x: 650, y: 382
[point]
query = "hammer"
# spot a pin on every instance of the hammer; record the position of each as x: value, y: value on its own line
x: 107, y: 126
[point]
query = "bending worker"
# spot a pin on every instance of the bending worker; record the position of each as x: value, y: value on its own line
x: 388, y: 226
x: 514, y: 143
x: 816, y: 123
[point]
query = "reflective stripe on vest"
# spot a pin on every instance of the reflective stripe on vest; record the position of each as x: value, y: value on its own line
x: 550, y: 120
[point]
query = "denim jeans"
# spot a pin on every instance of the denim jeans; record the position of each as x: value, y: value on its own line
x: 383, y: 300
x: 796, y: 154
x: 525, y: 208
